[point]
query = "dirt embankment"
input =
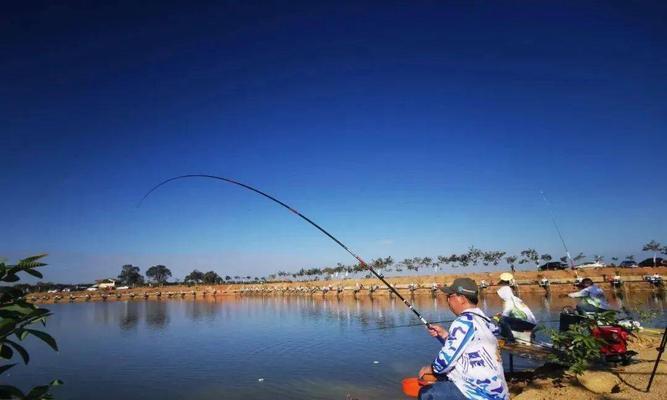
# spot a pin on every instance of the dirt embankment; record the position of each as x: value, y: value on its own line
x: 605, y: 383
x: 527, y: 280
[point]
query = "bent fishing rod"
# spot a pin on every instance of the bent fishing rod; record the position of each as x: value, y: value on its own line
x: 560, y: 235
x: 243, y: 185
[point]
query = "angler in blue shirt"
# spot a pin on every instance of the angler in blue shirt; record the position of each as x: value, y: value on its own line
x: 469, y: 360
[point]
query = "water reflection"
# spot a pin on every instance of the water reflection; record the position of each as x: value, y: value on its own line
x: 206, y: 309
x: 218, y: 348
x: 102, y: 314
x: 386, y: 312
x: 129, y: 316
x: 156, y: 314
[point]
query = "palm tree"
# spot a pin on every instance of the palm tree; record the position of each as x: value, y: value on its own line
x: 655, y: 247
x: 546, y: 257
x: 158, y: 273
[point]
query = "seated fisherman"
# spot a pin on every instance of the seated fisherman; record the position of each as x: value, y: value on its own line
x: 469, y: 358
x: 592, y: 298
x: 516, y: 315
x: 507, y: 279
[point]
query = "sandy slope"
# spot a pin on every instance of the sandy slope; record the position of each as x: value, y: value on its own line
x: 547, y: 384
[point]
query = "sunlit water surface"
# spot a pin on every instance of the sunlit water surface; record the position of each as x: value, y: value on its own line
x: 251, y: 347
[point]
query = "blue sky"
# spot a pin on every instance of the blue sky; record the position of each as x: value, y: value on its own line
x: 404, y: 128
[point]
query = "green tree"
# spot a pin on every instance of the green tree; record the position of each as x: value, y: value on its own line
x: 196, y: 277
x: 474, y: 255
x: 511, y: 260
x: 16, y: 319
x: 655, y: 247
x: 442, y: 260
x: 427, y: 262
x: 408, y: 263
x: 530, y: 255
x: 453, y: 260
x: 417, y: 263
x: 498, y: 256
x: 211, y: 277
x: 130, y: 275
x: 579, y: 257
x: 388, y: 262
x: 158, y: 273
x: 464, y: 259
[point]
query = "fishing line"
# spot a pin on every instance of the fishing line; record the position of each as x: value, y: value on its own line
x: 405, y: 326
x: 434, y: 322
x: 358, y: 258
x: 553, y: 219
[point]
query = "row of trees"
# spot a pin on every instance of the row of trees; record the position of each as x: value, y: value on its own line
x: 131, y: 275
x: 473, y: 257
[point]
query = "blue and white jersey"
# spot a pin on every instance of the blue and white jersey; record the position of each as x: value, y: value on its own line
x: 594, y: 296
x: 469, y: 357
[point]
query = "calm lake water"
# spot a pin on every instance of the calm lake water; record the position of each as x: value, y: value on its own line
x: 250, y: 347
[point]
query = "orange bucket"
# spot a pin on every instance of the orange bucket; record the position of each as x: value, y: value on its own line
x: 411, y: 386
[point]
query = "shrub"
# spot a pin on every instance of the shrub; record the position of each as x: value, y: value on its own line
x: 17, y: 317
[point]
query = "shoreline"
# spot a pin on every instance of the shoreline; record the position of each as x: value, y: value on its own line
x: 607, y: 381
x: 527, y: 281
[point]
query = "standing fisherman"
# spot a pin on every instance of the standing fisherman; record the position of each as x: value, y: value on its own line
x: 469, y: 358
